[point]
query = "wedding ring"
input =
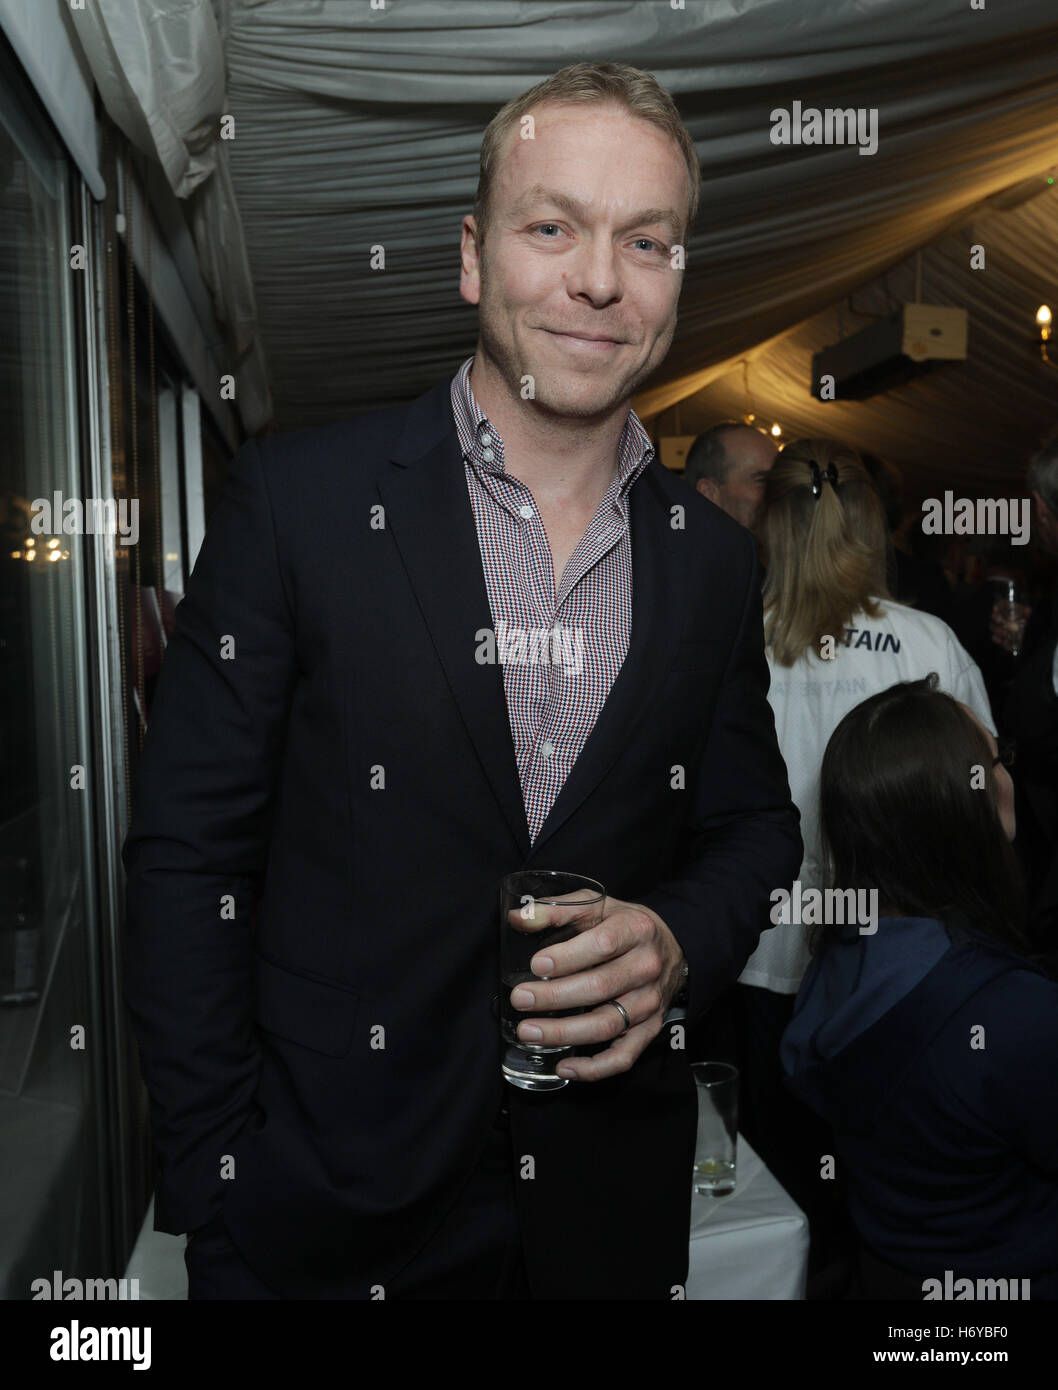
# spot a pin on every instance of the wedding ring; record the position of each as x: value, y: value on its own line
x: 623, y: 1012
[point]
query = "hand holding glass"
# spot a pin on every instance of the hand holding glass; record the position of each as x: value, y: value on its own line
x: 539, y: 908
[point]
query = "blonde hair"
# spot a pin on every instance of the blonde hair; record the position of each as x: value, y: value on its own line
x: 825, y: 556
x: 636, y: 91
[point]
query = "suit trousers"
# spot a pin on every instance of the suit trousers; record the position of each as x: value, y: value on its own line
x: 475, y: 1253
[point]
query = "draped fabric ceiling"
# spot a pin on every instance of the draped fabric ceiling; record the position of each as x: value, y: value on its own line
x: 968, y: 425
x: 357, y: 126
x: 159, y: 68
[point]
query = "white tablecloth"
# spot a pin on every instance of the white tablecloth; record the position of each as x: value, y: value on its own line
x: 752, y: 1244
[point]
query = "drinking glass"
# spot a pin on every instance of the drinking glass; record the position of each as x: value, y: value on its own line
x: 715, y: 1146
x: 1011, y: 609
x: 538, y: 908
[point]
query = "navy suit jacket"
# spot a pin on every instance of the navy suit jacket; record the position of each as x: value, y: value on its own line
x: 313, y: 957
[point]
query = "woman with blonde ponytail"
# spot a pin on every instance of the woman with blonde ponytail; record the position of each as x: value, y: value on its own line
x: 834, y: 637
x: 824, y: 539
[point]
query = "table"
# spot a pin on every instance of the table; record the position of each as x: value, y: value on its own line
x: 752, y: 1244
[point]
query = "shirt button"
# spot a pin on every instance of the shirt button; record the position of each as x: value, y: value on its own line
x: 546, y: 749
x: 525, y: 511
x: 487, y: 455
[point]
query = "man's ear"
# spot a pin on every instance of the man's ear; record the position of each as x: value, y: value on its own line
x: 708, y: 488
x: 470, y: 247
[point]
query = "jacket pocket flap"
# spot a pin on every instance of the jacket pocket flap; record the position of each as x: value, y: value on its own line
x: 314, y: 1013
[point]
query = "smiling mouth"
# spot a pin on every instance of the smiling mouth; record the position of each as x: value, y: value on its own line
x: 584, y: 338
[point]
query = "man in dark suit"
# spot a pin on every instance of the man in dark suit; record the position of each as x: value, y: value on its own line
x: 335, y: 778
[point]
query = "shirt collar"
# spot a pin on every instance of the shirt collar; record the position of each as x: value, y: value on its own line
x: 483, y: 448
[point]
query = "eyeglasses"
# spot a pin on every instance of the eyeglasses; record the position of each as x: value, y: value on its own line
x: 1008, y: 752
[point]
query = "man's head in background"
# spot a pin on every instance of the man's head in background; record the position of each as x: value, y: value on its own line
x: 1043, y: 484
x: 588, y: 181
x: 730, y: 464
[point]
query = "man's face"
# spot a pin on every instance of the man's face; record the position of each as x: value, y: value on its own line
x: 582, y: 220
x: 751, y: 456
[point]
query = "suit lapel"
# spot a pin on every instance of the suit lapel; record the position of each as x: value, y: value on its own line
x: 428, y: 511
x: 429, y: 514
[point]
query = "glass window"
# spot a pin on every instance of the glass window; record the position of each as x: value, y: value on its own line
x: 53, y: 1211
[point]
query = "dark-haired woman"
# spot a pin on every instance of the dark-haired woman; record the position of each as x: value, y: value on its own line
x: 930, y: 1046
x: 834, y: 637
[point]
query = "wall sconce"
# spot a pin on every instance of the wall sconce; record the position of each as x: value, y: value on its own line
x: 1044, y: 318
